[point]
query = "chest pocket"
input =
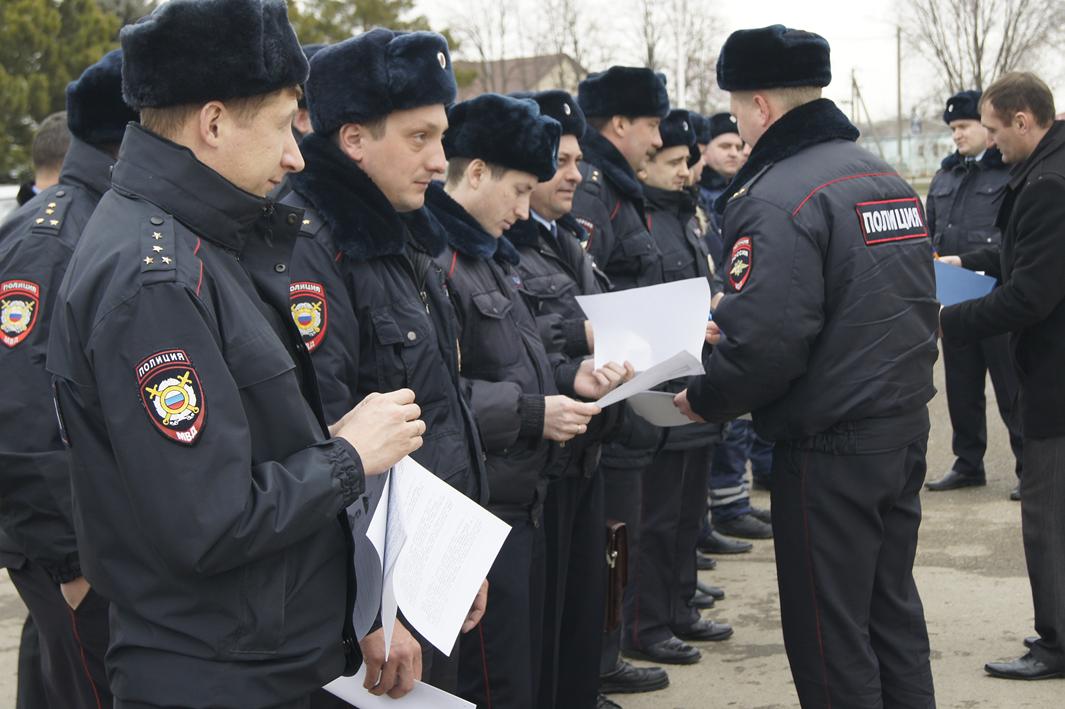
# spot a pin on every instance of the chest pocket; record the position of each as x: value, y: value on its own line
x: 679, y: 264
x: 402, y: 335
x: 494, y: 342
x: 551, y: 293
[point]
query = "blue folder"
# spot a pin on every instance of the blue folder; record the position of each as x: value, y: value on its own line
x: 954, y: 284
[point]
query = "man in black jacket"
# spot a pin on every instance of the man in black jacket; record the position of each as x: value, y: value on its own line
x: 498, y: 149
x: 963, y: 201
x: 827, y: 333
x: 209, y: 490
x: 367, y: 297
x: 1018, y: 110
x: 36, y: 243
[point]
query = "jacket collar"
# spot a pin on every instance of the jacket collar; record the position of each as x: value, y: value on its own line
x: 810, y: 124
x: 601, y: 152
x: 679, y: 202
x: 991, y: 160
x: 364, y: 224
x: 712, y: 180
x: 1053, y: 141
x: 87, y: 166
x: 169, y: 176
x: 527, y: 232
x: 464, y: 234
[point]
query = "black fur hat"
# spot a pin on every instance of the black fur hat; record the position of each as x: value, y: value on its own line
x: 504, y: 131
x: 190, y: 51
x: 773, y: 57
x: 961, y: 106
x: 376, y: 73
x: 676, y: 129
x: 701, y: 126
x: 559, y: 105
x: 722, y: 123
x: 309, y: 50
x: 624, y: 91
x: 96, y: 112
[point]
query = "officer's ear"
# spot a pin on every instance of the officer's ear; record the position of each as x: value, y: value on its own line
x: 351, y: 139
x: 1022, y: 122
x: 475, y: 172
x: 212, y: 116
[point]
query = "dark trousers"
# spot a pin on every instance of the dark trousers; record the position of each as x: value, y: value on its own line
x: 1043, y: 525
x: 845, y: 537
x: 72, y: 642
x: 729, y: 495
x: 31, y: 693
x: 966, y: 367
x: 499, y: 660
x: 622, y: 497
x: 302, y: 703
x: 575, y: 592
x: 674, y: 502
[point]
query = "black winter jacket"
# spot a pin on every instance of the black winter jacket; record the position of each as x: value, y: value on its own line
x: 1030, y: 303
x: 208, y: 496
x: 963, y: 201
x: 830, y: 311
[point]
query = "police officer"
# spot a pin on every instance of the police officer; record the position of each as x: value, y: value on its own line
x: 963, y: 201
x: 366, y: 295
x: 209, y: 490
x: 49, y: 148
x: 36, y: 243
x: 498, y: 148
x: 723, y: 156
x: 827, y: 332
x: 659, y: 614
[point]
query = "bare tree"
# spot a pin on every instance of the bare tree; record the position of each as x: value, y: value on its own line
x: 974, y: 41
x: 568, y: 30
x: 651, y: 33
x: 676, y: 36
x: 484, y: 32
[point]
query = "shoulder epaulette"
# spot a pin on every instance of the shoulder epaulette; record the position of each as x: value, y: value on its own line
x: 311, y: 223
x: 593, y: 180
x: 749, y: 183
x: 158, y: 246
x: 50, y: 216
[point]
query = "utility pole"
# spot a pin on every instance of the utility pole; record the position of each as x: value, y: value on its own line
x: 898, y: 70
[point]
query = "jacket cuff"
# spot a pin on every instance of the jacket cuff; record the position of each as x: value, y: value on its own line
x: 531, y: 409
x: 348, y: 474
x: 565, y: 373
x: 64, y: 571
x: 575, y: 339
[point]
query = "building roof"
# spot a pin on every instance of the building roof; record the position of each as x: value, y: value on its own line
x: 548, y: 71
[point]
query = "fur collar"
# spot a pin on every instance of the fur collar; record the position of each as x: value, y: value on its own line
x: 601, y: 152
x: 679, y: 202
x: 464, y: 234
x: 810, y: 124
x: 991, y: 160
x: 363, y: 223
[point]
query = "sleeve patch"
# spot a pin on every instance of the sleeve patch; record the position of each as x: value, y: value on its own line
x: 20, y: 302
x: 741, y: 263
x: 172, y: 395
x: 589, y: 229
x: 891, y: 220
x: 310, y: 312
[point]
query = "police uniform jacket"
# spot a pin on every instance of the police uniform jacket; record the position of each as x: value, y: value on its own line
x: 505, y: 370
x: 963, y: 201
x: 1030, y: 303
x: 830, y: 314
x: 207, y: 492
x: 373, y: 307
x: 36, y: 243
x: 711, y: 185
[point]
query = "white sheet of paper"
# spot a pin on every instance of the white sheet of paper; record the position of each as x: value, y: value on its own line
x: 682, y: 364
x: 646, y: 326
x: 367, y: 518
x: 451, y: 543
x: 657, y: 407
x: 423, y: 696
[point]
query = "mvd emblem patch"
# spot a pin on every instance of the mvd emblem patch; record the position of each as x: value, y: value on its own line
x: 310, y: 312
x: 172, y: 395
x: 19, y: 302
x: 739, y: 269
x: 891, y: 220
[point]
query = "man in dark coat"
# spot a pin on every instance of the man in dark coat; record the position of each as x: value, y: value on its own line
x: 963, y: 201
x: 209, y: 491
x: 1018, y: 110
x: 827, y: 333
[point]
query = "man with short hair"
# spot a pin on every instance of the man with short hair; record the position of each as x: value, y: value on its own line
x: 210, y: 492
x: 827, y: 334
x: 963, y: 201
x: 1018, y: 112
x: 47, y: 152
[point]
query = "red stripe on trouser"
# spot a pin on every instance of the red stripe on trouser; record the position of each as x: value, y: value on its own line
x: 813, y: 588
x: 484, y: 666
x: 84, y: 662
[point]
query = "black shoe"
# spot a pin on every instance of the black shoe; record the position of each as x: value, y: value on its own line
x: 745, y: 527
x: 629, y: 679
x: 704, y: 630
x: 1026, y: 667
x: 717, y: 593
x: 701, y: 600
x: 704, y: 562
x: 671, y: 651
x: 602, y: 702
x: 718, y: 543
x: 762, y: 515
x: 954, y: 480
x: 1030, y: 641
x: 1015, y: 494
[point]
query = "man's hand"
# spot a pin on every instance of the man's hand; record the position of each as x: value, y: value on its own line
x: 713, y: 333
x: 681, y: 402
x: 565, y: 418
x: 589, y: 335
x: 395, y: 677
x: 383, y: 428
x: 597, y: 383
x: 74, y: 592
x: 951, y: 260
x: 480, y: 603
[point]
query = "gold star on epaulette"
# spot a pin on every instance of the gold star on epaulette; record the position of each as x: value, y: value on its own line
x: 149, y: 260
x: 49, y: 211
x: 157, y: 249
x: 53, y: 222
x: 306, y: 222
x: 51, y: 205
x: 167, y: 259
x: 40, y: 220
x: 156, y: 235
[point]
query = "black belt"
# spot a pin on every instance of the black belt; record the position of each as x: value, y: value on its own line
x: 871, y: 435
